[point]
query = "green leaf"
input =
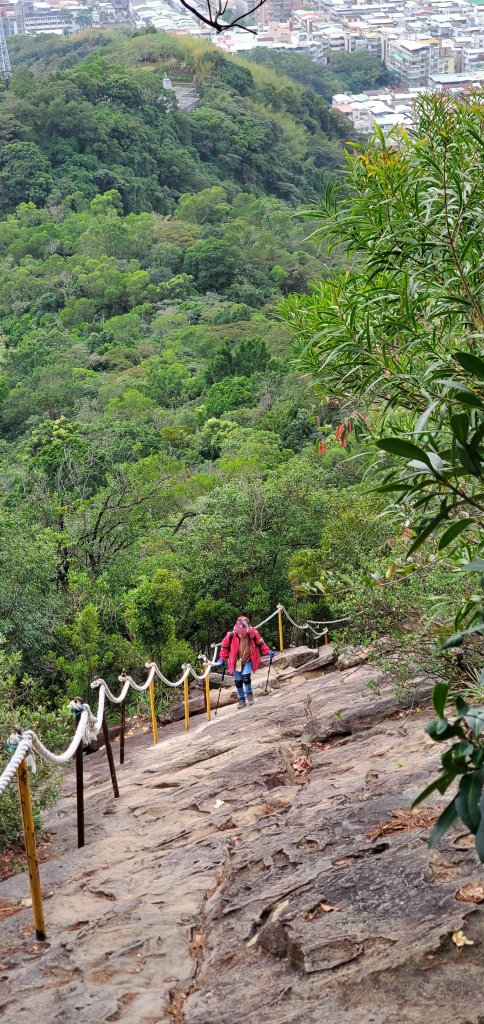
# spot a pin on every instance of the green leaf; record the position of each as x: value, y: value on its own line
x: 467, y: 800
x: 427, y: 532
x: 470, y: 363
x: 461, y: 751
x: 446, y: 820
x: 423, y: 419
x: 459, y: 424
x: 440, y: 784
x: 468, y: 459
x: 439, y: 698
x: 456, y: 639
x: 405, y: 449
x: 467, y: 803
x: 475, y: 721
x: 469, y: 398
x: 480, y: 833
x: 452, y: 532
x: 476, y: 566
x: 440, y: 729
x: 461, y: 705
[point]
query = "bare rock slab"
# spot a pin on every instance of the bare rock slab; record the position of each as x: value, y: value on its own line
x: 265, y: 867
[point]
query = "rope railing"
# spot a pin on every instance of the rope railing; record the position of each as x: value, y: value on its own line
x: 304, y: 627
x: 23, y: 745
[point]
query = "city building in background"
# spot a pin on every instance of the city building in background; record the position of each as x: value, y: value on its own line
x: 5, y: 69
x: 434, y: 44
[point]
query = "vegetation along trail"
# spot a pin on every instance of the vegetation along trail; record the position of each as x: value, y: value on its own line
x: 209, y: 407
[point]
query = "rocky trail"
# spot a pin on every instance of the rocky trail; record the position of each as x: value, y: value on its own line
x: 265, y: 868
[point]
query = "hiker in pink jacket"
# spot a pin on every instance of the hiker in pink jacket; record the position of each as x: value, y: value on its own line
x: 243, y: 646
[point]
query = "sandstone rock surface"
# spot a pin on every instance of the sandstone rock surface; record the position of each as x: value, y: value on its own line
x: 264, y: 869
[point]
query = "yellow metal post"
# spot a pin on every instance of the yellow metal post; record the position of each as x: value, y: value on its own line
x: 31, y: 851
x: 187, y: 708
x: 154, y: 722
x: 281, y: 637
x: 207, y: 694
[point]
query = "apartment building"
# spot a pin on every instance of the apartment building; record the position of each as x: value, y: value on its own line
x: 472, y: 60
x: 386, y: 109
x: 413, y: 60
x: 359, y: 40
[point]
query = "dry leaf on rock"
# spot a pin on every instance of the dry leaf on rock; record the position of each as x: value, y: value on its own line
x: 323, y: 908
x: 460, y: 940
x: 404, y: 819
x: 473, y: 892
x: 463, y: 840
x: 7, y: 908
x: 301, y: 765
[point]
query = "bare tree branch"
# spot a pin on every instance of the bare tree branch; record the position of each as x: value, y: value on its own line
x: 214, y: 21
x: 185, y: 515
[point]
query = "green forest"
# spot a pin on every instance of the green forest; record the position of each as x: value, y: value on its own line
x: 181, y: 439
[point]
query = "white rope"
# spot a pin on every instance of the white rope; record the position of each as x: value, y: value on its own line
x: 269, y: 617
x: 26, y: 743
x: 326, y: 622
x: 156, y: 671
x: 128, y: 683
x: 303, y: 626
x: 23, y: 746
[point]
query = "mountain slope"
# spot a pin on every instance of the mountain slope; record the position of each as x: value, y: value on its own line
x: 92, y: 113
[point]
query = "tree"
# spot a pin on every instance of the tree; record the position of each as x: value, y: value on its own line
x: 208, y: 206
x: 397, y: 335
x: 84, y: 18
x: 25, y: 175
x: 150, y: 612
x: 230, y: 393
x: 214, y: 15
x: 397, y: 339
x: 213, y: 263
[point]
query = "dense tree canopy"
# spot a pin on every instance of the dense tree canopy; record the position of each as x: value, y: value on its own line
x: 344, y: 72
x: 83, y: 127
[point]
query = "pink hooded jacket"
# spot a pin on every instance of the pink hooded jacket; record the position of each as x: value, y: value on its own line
x: 230, y: 648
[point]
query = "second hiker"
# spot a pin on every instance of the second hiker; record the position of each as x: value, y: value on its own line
x: 242, y: 648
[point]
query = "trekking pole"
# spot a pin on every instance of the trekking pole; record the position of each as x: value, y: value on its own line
x: 268, y: 674
x: 220, y: 689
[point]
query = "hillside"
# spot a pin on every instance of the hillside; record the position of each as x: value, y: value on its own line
x: 91, y: 113
x: 207, y: 407
x: 161, y: 457
x: 152, y: 425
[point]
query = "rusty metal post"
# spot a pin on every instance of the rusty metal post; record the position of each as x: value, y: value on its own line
x: 154, y: 720
x: 31, y: 850
x: 109, y: 752
x: 186, y: 703
x: 281, y: 635
x: 80, y: 789
x: 123, y: 730
x: 207, y: 695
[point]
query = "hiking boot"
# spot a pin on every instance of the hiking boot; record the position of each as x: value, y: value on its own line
x: 241, y: 703
x: 250, y: 698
